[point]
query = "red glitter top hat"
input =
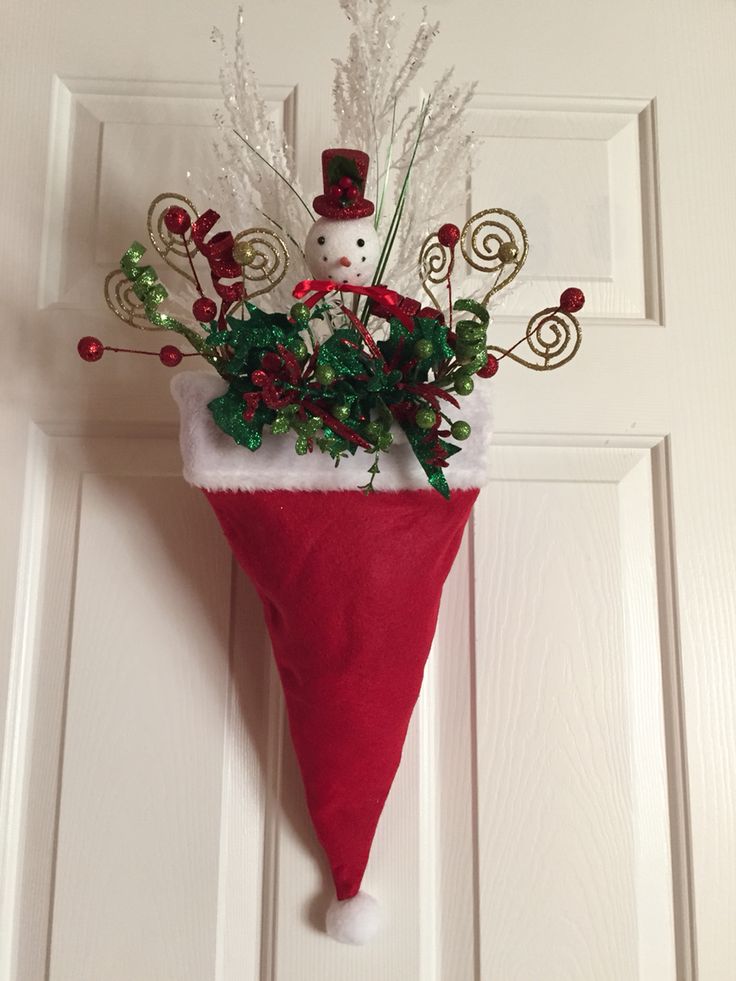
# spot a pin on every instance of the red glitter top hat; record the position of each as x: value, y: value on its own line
x: 343, y: 176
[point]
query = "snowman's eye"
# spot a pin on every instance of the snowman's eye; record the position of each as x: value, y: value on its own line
x: 321, y: 240
x: 360, y: 243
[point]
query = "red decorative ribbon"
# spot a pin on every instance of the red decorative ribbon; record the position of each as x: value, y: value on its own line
x: 219, y: 254
x: 336, y: 425
x: 432, y: 393
x: 319, y: 288
x: 409, y: 306
x: 363, y: 331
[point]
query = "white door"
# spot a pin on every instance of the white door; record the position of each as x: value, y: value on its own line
x: 565, y: 806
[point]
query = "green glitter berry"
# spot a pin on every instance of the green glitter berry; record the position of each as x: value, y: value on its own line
x: 373, y: 430
x: 425, y: 418
x: 298, y: 348
x: 384, y: 441
x: 460, y: 430
x: 464, y: 384
x: 341, y: 412
x: 423, y: 348
x: 300, y: 313
x: 325, y: 374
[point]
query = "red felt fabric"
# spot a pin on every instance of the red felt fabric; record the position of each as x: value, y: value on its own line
x: 350, y: 586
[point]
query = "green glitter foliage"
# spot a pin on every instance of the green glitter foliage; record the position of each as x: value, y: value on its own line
x: 227, y: 411
x: 345, y: 393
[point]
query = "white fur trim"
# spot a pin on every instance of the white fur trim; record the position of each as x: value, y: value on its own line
x: 354, y: 921
x: 214, y: 461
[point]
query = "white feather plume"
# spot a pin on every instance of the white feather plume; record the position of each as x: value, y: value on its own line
x: 374, y: 110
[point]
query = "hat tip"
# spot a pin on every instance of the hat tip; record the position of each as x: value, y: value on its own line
x: 355, y: 920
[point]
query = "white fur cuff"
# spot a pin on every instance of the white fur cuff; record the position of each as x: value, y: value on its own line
x: 212, y: 459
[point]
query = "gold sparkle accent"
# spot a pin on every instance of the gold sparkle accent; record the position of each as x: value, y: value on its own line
x: 436, y: 262
x: 495, y: 241
x: 244, y: 253
x: 508, y: 251
x: 553, y: 338
x: 269, y: 262
x: 170, y: 246
x: 483, y: 237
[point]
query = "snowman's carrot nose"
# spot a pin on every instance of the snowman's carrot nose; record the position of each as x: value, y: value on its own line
x: 344, y: 261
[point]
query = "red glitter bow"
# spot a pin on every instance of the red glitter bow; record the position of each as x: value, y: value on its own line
x: 319, y: 288
x: 409, y: 306
x: 219, y: 254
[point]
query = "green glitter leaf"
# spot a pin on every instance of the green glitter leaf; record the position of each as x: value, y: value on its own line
x: 227, y: 411
x: 340, y: 166
x: 432, y: 330
x: 381, y: 381
x: 424, y: 450
x: 261, y: 332
x: 339, y: 351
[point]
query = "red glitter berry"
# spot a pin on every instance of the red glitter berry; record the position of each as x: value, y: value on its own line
x: 344, y: 183
x: 449, y: 235
x: 572, y: 300
x: 204, y: 309
x: 352, y: 193
x: 271, y: 361
x: 170, y: 355
x: 489, y: 369
x: 334, y: 193
x: 90, y: 349
x: 177, y: 220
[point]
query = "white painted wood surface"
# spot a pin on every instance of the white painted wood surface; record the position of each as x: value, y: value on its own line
x: 565, y: 806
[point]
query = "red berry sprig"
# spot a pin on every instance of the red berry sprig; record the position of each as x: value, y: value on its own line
x: 204, y: 309
x: 572, y: 300
x: 170, y: 356
x: 91, y: 349
x: 344, y: 192
x: 449, y: 235
x: 489, y: 369
x: 177, y: 220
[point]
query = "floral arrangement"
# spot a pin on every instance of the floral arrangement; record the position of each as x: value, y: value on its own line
x: 352, y: 389
x: 340, y: 358
x: 396, y: 365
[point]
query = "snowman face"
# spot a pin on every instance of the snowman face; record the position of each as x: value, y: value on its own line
x: 344, y: 251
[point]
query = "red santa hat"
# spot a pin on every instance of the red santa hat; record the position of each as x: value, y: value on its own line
x: 350, y: 586
x: 344, y: 174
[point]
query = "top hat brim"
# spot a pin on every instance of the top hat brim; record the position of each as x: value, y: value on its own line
x: 328, y: 209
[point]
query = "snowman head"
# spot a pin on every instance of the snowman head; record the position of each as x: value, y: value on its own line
x: 344, y: 250
x: 342, y: 245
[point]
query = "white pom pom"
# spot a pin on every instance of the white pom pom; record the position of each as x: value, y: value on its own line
x: 354, y: 921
